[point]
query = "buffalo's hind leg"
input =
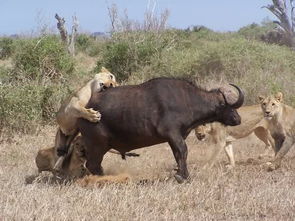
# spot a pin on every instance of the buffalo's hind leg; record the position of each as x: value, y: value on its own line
x: 179, y: 149
x: 94, y: 156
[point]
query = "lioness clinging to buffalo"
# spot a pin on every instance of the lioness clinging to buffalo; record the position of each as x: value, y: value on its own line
x: 74, y: 107
x: 157, y: 111
x: 49, y: 158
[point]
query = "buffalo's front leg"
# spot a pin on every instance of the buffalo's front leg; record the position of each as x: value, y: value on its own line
x: 179, y: 150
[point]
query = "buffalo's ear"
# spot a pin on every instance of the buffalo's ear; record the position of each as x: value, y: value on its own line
x: 104, y: 70
x: 261, y: 98
x: 279, y: 96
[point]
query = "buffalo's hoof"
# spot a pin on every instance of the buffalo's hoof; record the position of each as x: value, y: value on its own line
x: 179, y: 178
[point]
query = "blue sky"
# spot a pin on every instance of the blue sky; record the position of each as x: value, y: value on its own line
x: 21, y: 16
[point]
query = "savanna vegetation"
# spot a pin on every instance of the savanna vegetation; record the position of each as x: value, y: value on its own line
x: 37, y: 73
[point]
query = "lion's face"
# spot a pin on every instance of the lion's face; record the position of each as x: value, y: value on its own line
x: 73, y: 167
x: 105, y: 75
x: 202, y: 131
x: 104, y: 80
x: 271, y: 105
x: 101, y: 85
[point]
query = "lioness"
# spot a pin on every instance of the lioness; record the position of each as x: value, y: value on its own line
x: 73, y: 166
x: 223, y: 136
x: 281, y: 120
x: 74, y: 108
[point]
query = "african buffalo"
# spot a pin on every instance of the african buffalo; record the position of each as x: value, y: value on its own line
x: 157, y: 111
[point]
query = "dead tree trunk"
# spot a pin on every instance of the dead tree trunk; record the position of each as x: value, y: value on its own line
x: 71, y: 44
x: 69, y: 41
x: 286, y: 20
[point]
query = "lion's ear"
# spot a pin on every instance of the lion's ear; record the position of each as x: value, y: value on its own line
x: 279, y: 96
x: 104, y: 70
x: 261, y: 98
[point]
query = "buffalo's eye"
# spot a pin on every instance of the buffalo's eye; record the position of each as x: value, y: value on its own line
x: 264, y: 104
x: 273, y: 104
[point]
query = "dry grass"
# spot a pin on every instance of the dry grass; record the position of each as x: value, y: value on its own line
x: 246, y: 193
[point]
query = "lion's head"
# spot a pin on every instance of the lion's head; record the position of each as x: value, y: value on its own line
x: 73, y: 166
x: 103, y: 80
x: 271, y: 105
x: 105, y: 74
x: 202, y: 131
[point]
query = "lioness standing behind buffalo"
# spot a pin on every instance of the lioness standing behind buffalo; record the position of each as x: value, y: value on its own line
x: 223, y: 136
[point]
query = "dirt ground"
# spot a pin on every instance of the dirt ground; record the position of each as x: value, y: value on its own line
x: 248, y: 192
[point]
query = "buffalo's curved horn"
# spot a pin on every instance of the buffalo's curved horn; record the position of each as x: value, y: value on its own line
x: 240, y: 100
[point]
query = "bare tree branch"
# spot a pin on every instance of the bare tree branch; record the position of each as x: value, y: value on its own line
x: 62, y: 30
x: 152, y: 20
x: 68, y: 41
x: 71, y: 46
x: 286, y: 20
x: 113, y: 15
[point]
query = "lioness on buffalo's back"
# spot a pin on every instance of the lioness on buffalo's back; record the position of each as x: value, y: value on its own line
x: 74, y: 108
x: 157, y: 111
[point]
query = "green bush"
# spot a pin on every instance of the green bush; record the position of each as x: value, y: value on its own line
x: 89, y: 45
x: 45, y: 57
x: 129, y: 52
x: 256, y: 31
x: 83, y: 41
x: 24, y: 107
x: 257, y: 67
x: 6, y: 47
x: 5, y: 74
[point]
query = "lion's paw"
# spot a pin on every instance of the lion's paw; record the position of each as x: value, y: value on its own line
x: 92, y: 115
x: 271, y: 166
x: 229, y: 167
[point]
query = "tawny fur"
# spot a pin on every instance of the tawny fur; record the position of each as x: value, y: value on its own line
x: 74, y: 107
x: 281, y: 121
x: 73, y: 166
x: 223, y: 136
x: 95, y: 181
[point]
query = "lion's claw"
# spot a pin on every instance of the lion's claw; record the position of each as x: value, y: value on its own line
x: 271, y: 166
x: 93, y: 116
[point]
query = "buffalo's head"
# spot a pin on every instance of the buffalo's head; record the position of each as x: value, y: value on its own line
x: 227, y: 113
